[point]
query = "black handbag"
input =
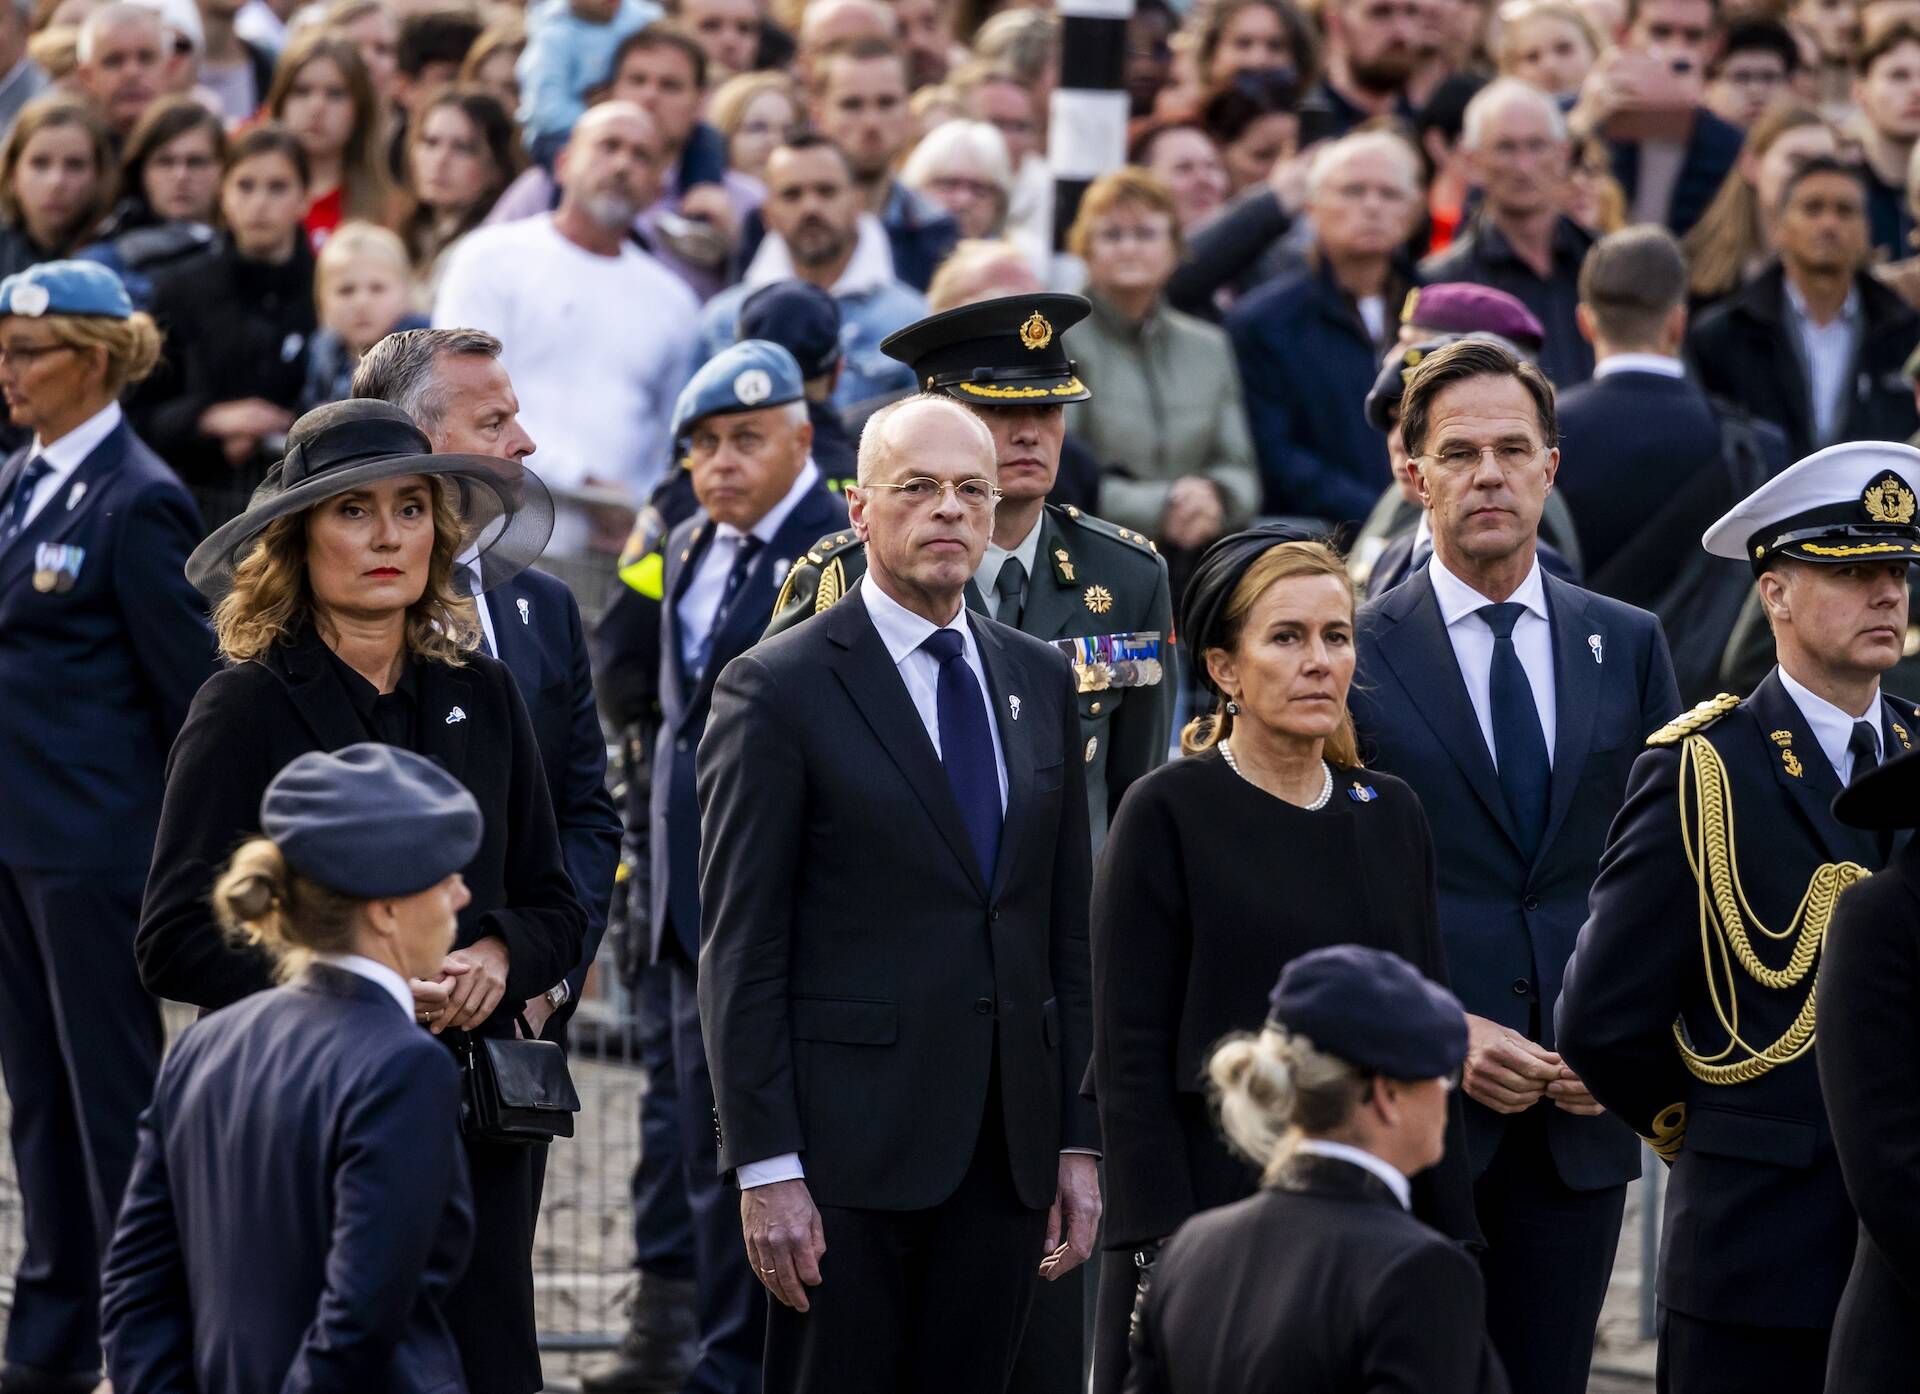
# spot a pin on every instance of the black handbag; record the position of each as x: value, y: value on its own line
x: 515, y: 1091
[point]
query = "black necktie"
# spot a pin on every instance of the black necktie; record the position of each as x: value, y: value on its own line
x: 22, y: 498
x: 1864, y: 749
x: 748, y: 548
x: 1010, y: 586
x: 1519, y: 746
x: 966, y: 747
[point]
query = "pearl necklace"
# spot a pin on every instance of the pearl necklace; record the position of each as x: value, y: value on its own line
x: 1326, y: 789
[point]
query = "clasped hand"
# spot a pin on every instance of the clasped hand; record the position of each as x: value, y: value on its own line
x: 471, y: 983
x: 1510, y: 1074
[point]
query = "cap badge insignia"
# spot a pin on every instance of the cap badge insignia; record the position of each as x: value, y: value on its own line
x: 30, y: 298
x: 1013, y: 706
x: 1099, y: 599
x: 752, y: 387
x: 1036, y: 333
x: 1593, y: 642
x: 1887, y: 500
x: 1792, y: 763
x: 524, y: 607
x: 456, y: 715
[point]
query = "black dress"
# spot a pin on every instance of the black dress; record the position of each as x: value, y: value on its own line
x: 1206, y: 888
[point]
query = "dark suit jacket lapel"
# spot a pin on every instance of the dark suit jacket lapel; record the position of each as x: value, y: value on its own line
x: 1416, y: 647
x: 56, y: 521
x: 867, y: 671
x: 316, y: 692
x: 513, y: 641
x: 1576, y: 687
x: 1006, y: 680
x: 447, y: 712
x: 677, y: 694
x: 748, y: 619
x: 1812, y: 790
x: 1896, y: 739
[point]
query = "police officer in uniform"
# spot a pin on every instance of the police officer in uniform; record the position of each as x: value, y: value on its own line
x: 1688, y: 1003
x: 1060, y: 574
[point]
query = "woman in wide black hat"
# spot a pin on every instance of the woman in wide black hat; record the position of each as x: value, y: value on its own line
x: 343, y: 615
x: 1267, y: 841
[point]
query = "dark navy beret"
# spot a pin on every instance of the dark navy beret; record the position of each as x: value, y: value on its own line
x: 1373, y: 1010
x: 65, y: 288
x: 800, y: 317
x: 746, y: 377
x: 370, y: 820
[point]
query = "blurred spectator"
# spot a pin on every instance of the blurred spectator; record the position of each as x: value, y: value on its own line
x: 753, y: 113
x: 1734, y: 237
x: 1547, y: 45
x: 360, y: 295
x: 181, y: 37
x: 860, y: 103
x: 827, y: 24
x: 321, y: 93
x: 1255, y: 121
x: 1309, y: 344
x: 1025, y: 42
x: 264, y: 22
x: 461, y: 154
x: 560, y: 292
x: 373, y: 30
x: 21, y: 79
x: 1903, y: 276
x: 57, y: 181
x: 1371, y: 56
x: 926, y: 37
x: 1594, y: 198
x: 1520, y: 241
x: 980, y: 270
x: 1149, y: 55
x: 728, y: 31
x: 433, y: 45
x: 1449, y: 167
x: 1753, y: 69
x: 1888, y: 90
x: 1815, y: 345
x: 237, y: 71
x: 962, y: 166
x: 935, y: 106
x: 490, y: 62
x: 1240, y: 36
x: 237, y: 318
x: 1835, y: 28
x: 1171, y: 429
x: 171, y: 179
x: 817, y: 231
x: 570, y: 51
x: 119, y: 56
x: 1183, y: 157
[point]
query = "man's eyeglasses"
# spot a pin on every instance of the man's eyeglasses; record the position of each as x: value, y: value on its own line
x: 1509, y: 457
x: 923, y: 492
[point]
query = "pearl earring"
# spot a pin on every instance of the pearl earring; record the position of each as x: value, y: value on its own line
x: 1233, y: 708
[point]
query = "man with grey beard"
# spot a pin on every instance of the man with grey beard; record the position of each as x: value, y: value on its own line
x: 565, y: 293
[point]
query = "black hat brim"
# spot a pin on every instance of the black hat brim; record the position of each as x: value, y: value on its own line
x: 1887, y: 796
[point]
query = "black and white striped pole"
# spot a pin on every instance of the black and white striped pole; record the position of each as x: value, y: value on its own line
x: 1087, y: 122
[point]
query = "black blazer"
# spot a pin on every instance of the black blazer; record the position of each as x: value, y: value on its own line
x: 1745, y: 349
x: 1868, y: 1051
x: 1506, y: 920
x: 858, y: 978
x: 1759, y: 1230
x: 96, y: 679
x: 299, y: 1205
x: 249, y: 721
x: 1320, y: 1284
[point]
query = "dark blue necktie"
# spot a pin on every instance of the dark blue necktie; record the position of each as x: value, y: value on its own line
x: 747, y: 549
x: 966, y: 747
x: 22, y: 498
x: 1519, y: 747
x: 1863, y: 747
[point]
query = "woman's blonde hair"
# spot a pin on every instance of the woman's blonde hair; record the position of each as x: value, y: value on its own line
x: 1281, y: 562
x: 359, y: 241
x: 1273, y: 1089
x: 1519, y: 12
x: 261, y: 901
x: 727, y: 108
x: 1126, y: 186
x: 272, y: 598
x: 132, y: 344
x: 1730, y: 234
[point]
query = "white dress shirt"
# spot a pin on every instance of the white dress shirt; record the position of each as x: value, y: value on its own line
x: 1472, y: 644
x: 1832, y: 727
x: 903, y: 632
x: 1827, y: 351
x: 394, y: 985
x: 1027, y: 549
x: 1656, y: 363
x: 469, y: 562
x: 67, y: 455
x: 700, y: 602
x: 1397, y: 1183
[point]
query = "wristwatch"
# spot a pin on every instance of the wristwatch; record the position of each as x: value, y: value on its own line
x: 557, y: 995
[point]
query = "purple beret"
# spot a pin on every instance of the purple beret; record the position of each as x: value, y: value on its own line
x: 1460, y: 307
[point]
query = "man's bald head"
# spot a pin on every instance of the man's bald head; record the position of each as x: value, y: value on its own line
x: 830, y: 22
x: 610, y: 167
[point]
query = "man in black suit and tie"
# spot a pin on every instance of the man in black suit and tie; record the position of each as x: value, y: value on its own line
x: 894, y: 972
x: 1513, y: 702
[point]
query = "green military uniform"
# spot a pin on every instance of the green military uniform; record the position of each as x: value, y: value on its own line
x: 1097, y: 591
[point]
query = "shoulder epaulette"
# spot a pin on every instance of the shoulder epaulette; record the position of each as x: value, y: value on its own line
x: 1106, y: 529
x: 1701, y: 717
x: 816, y: 579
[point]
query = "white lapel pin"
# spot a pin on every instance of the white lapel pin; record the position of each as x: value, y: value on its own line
x: 1593, y: 642
x: 524, y: 607
x: 456, y: 715
x: 1013, y: 704
x: 76, y: 493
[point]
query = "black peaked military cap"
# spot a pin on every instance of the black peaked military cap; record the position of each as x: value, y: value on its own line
x: 1006, y: 352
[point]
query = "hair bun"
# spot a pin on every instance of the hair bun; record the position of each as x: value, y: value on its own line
x: 250, y: 897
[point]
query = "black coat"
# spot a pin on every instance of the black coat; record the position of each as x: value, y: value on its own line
x: 1712, y: 148
x: 1189, y: 935
x: 1746, y: 350
x: 1320, y: 1284
x: 1868, y: 1051
x: 858, y: 977
x: 1482, y: 255
x: 299, y: 1206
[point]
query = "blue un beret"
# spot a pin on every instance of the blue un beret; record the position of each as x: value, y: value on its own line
x: 747, y: 377
x: 371, y: 821
x: 1373, y: 1010
x: 65, y: 288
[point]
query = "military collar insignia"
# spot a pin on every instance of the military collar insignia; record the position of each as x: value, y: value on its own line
x: 1063, y: 566
x: 1098, y: 599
